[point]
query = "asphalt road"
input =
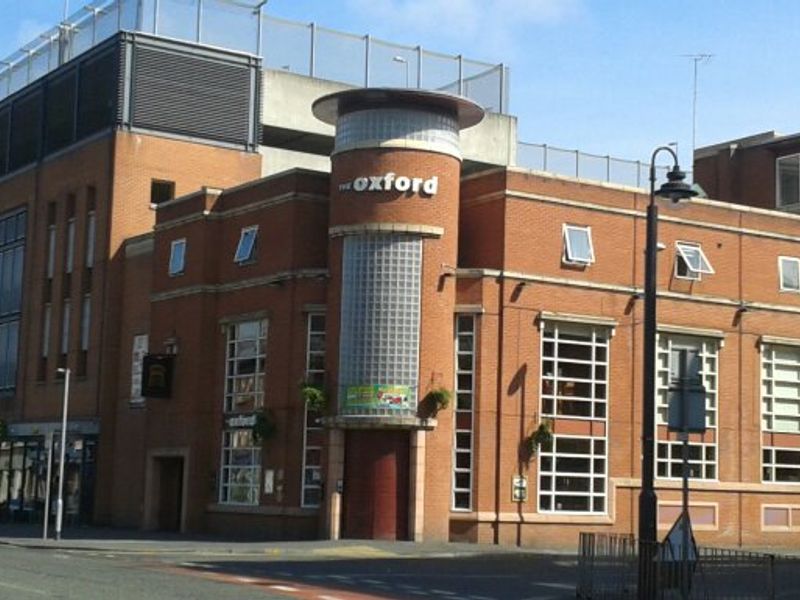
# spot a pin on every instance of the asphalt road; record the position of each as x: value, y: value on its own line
x: 346, y: 574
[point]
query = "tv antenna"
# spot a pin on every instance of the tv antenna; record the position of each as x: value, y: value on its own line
x: 697, y: 59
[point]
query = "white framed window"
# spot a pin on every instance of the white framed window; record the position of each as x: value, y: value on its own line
x: 703, y: 456
x: 572, y: 475
x: 70, y: 258
x: 65, y: 317
x: 574, y: 370
x: 91, y: 227
x: 86, y: 318
x: 781, y: 465
x: 246, y: 249
x: 313, y: 433
x: 691, y: 261
x: 177, y: 257
x: 463, y: 413
x: 245, y: 361
x: 780, y: 388
x: 51, y: 250
x: 578, y: 248
x: 787, y: 184
x: 240, y: 468
x: 140, y: 347
x: 789, y: 271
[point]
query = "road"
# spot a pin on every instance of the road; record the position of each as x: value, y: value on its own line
x: 350, y: 573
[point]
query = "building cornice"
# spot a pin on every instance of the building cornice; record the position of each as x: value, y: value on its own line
x: 272, y: 280
x: 386, y: 228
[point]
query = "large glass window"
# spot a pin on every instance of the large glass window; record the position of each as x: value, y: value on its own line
x: 463, y: 413
x: 574, y: 370
x: 313, y: 433
x: 572, y: 475
x: 788, y: 181
x: 246, y: 356
x: 780, y: 388
x: 703, y: 456
x: 12, y: 252
x: 241, y: 465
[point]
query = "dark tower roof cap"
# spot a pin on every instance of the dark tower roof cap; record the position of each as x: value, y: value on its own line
x: 329, y: 108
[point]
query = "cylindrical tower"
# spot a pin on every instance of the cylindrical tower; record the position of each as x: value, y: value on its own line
x: 396, y: 169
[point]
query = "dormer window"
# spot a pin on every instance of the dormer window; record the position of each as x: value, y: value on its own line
x: 691, y: 261
x: 177, y: 257
x: 246, y: 250
x: 788, y: 181
x: 578, y: 249
x: 789, y: 267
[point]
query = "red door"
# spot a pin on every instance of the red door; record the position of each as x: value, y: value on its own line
x: 376, y: 485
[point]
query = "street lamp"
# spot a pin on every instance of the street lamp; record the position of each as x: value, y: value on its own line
x: 675, y: 189
x: 66, y: 372
x: 402, y: 60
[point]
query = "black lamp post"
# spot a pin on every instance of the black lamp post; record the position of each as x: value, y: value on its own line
x: 675, y: 189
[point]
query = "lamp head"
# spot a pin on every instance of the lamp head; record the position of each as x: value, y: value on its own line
x: 676, y: 189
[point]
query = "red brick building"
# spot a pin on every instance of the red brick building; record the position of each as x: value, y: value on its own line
x: 404, y: 275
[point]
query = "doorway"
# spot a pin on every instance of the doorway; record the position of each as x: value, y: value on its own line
x: 376, y: 480
x: 165, y: 496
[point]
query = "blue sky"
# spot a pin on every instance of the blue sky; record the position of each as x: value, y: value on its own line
x: 602, y: 76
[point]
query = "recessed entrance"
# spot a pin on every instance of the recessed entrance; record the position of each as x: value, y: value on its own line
x: 165, y: 499
x: 376, y: 480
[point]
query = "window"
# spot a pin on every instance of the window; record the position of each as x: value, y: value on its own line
x: 313, y: 434
x: 574, y: 370
x: 139, y: 351
x: 91, y: 226
x: 244, y: 380
x: 51, y: 250
x: 691, y: 262
x: 12, y: 253
x: 65, y: 316
x: 177, y: 257
x: 702, y: 455
x: 572, y: 475
x: 788, y: 181
x: 780, y: 388
x: 463, y: 431
x: 789, y: 268
x: 70, y: 258
x: 246, y: 250
x: 578, y: 247
x: 781, y: 465
x: 46, y: 318
x: 161, y: 191
x: 86, y: 318
x: 241, y: 465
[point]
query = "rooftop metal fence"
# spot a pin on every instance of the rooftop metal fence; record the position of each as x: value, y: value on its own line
x: 574, y: 163
x: 241, y: 25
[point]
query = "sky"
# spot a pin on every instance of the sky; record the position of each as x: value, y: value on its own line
x: 602, y: 76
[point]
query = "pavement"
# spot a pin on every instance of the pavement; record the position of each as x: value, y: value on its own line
x: 102, y: 539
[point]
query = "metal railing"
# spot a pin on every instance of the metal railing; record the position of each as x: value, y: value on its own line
x: 583, y: 165
x: 608, y: 568
x: 303, y: 48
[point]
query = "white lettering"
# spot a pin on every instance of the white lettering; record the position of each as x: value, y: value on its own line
x: 391, y: 182
x: 402, y: 184
x: 431, y: 186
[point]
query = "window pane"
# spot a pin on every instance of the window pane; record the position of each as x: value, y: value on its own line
x: 790, y: 274
x: 788, y: 181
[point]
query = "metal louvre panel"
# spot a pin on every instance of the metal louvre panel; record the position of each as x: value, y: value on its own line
x: 191, y: 95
